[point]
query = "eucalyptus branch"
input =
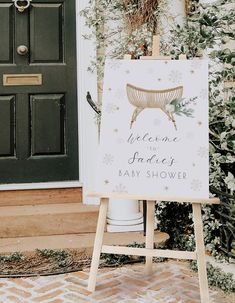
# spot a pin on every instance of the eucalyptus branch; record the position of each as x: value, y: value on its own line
x: 221, y: 149
x: 213, y: 133
x: 216, y: 122
x: 221, y: 193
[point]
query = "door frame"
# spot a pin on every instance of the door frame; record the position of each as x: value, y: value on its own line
x: 86, y: 81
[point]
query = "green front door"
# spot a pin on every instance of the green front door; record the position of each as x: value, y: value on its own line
x: 38, y: 101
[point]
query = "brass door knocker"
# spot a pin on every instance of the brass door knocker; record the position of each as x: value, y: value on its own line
x: 21, y: 5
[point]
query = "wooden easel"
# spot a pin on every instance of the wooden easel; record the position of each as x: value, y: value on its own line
x: 149, y: 252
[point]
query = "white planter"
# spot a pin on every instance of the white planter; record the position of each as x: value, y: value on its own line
x: 124, y: 215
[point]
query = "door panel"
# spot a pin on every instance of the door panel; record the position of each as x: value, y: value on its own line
x: 38, y: 124
x: 48, y: 134
x: 46, y: 38
x: 7, y: 126
x: 7, y: 27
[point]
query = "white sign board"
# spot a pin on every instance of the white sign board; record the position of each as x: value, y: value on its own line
x: 154, y: 129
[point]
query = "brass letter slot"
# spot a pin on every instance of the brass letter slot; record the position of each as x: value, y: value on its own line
x: 22, y: 79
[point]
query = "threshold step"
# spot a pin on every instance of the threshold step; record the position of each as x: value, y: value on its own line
x: 83, y: 242
x: 47, y: 219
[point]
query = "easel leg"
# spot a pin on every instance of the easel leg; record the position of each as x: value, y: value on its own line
x: 200, y: 250
x: 98, y: 243
x: 149, y: 234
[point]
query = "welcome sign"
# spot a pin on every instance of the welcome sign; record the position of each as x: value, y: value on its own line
x: 154, y: 129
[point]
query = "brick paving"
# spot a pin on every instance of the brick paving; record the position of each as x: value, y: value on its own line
x: 172, y: 282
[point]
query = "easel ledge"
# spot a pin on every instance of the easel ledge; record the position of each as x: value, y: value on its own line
x: 152, y: 198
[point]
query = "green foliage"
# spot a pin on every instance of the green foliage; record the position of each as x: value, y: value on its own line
x: 217, y: 277
x: 14, y: 257
x: 210, y: 26
x: 59, y: 255
x: 120, y: 27
x: 180, y: 229
x: 181, y: 107
x: 206, y: 32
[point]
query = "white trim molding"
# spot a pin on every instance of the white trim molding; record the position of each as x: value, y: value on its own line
x: 87, y: 81
x: 40, y: 185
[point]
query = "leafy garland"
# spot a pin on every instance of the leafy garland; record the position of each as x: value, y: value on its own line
x: 205, y: 32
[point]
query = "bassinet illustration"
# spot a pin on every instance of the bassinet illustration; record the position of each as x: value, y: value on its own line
x: 143, y: 98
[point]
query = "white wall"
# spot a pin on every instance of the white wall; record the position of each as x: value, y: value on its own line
x: 87, y: 81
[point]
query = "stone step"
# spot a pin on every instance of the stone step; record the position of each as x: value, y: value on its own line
x: 47, y: 219
x: 40, y: 196
x: 75, y: 241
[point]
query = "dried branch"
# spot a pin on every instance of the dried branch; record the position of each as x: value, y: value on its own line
x: 143, y: 11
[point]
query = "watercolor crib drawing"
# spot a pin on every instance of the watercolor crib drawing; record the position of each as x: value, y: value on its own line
x: 144, y: 98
